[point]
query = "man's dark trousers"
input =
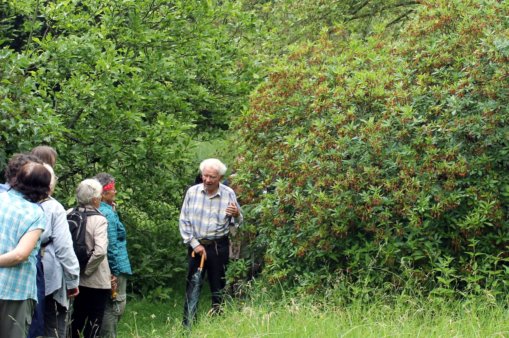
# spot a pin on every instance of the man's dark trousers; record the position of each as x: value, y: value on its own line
x: 218, y: 252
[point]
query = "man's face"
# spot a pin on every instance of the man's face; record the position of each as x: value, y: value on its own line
x: 211, y: 179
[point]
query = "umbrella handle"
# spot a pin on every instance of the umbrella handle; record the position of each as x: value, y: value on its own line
x: 202, y: 261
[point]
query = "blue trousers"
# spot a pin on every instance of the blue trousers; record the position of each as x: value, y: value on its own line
x: 37, y: 327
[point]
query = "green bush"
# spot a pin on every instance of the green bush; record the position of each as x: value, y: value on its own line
x: 156, y: 252
x: 385, y: 160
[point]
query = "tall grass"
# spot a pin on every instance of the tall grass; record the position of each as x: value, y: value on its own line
x: 265, y: 316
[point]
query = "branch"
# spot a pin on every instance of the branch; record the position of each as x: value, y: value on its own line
x: 401, y: 4
x: 74, y: 120
x: 34, y: 17
x: 361, y: 6
x: 399, y: 18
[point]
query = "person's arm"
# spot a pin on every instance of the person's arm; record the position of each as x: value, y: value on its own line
x: 113, y: 243
x: 64, y: 252
x: 234, y: 210
x: 185, y: 227
x: 100, y: 245
x: 240, y: 218
x: 22, y: 251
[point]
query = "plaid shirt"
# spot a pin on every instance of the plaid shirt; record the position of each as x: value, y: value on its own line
x: 18, y: 217
x: 117, y: 243
x: 4, y: 187
x: 204, y: 217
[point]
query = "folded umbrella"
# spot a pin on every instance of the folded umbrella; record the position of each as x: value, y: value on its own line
x: 193, y: 294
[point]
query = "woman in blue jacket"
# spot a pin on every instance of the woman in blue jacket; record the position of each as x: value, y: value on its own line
x: 118, y: 258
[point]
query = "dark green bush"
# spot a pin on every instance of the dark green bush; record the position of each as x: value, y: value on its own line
x: 157, y: 252
x: 385, y: 160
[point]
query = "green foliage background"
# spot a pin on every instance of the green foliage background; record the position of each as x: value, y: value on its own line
x: 370, y: 137
x: 381, y: 162
x: 124, y: 87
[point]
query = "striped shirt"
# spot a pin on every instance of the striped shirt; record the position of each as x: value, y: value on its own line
x: 117, y: 242
x: 204, y: 217
x: 18, y: 217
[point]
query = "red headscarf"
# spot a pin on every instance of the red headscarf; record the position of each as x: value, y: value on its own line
x: 109, y: 186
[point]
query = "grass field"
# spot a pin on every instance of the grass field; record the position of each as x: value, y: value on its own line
x: 292, y: 317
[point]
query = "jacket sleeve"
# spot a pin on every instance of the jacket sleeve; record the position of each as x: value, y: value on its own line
x: 240, y: 218
x: 185, y: 226
x: 113, y: 251
x: 64, y: 252
x: 100, y: 244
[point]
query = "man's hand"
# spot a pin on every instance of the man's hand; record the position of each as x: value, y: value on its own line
x: 200, y: 250
x: 232, y: 210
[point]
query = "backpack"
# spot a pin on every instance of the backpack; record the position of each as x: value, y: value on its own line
x: 78, y: 225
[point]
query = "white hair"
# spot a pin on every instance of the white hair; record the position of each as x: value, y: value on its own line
x: 213, y: 163
x: 53, y: 181
x: 87, y: 190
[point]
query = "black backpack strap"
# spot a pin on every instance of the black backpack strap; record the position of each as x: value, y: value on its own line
x: 44, y: 200
x: 48, y: 242
x: 92, y: 212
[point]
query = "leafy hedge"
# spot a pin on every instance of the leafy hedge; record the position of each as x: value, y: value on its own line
x: 385, y: 160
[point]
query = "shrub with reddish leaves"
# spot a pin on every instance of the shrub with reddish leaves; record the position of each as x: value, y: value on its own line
x: 385, y: 160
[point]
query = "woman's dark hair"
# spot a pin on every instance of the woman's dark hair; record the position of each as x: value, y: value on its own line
x: 47, y: 154
x: 15, y: 163
x: 104, y: 178
x: 33, y: 181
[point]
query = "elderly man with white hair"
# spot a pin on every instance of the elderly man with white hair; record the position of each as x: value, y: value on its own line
x: 208, y: 210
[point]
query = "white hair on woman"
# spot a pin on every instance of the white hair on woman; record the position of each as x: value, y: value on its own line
x: 215, y: 164
x: 87, y: 190
x: 53, y: 182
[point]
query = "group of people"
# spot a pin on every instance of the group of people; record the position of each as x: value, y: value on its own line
x: 44, y: 291
x: 39, y: 272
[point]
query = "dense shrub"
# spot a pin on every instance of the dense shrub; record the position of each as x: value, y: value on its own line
x: 386, y: 160
x: 156, y: 252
